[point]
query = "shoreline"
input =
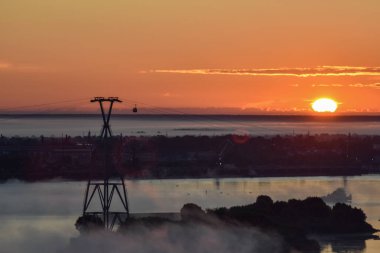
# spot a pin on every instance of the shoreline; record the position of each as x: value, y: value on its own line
x: 161, y: 157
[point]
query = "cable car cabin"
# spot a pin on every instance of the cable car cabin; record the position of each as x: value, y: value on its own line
x: 134, y: 109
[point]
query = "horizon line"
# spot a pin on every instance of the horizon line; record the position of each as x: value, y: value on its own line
x: 330, y: 115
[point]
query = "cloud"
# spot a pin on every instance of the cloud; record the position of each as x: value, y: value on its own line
x: 263, y: 105
x: 26, y: 68
x: 4, y: 66
x: 170, y: 95
x: 354, y: 85
x: 327, y: 85
x: 272, y: 72
x: 370, y: 85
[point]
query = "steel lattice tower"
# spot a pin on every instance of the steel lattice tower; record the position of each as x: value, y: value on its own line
x: 108, y: 187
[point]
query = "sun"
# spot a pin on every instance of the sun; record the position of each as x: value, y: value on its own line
x: 324, y: 105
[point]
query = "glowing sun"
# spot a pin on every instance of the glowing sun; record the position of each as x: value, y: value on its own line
x: 324, y: 105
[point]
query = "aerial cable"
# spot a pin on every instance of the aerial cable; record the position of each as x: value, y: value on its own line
x: 201, y: 118
x: 208, y: 119
x: 43, y: 104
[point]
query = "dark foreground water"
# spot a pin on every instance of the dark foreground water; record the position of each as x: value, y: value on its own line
x: 179, y: 125
x: 36, y: 217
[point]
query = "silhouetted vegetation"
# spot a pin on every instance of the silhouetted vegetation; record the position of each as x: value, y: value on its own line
x: 294, y: 220
x: 311, y: 215
x: 89, y: 223
x: 193, y: 213
x: 146, y: 222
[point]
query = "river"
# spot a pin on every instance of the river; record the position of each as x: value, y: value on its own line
x: 41, y: 215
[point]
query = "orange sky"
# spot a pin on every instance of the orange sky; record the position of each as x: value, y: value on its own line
x: 267, y: 56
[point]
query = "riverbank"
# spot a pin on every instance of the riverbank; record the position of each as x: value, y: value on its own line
x: 159, y: 157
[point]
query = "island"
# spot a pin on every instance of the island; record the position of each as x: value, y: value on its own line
x: 292, y: 224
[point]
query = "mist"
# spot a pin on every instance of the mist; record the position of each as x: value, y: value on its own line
x: 170, y: 238
x: 174, y: 238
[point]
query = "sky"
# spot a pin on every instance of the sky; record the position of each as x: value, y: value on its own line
x: 243, y: 56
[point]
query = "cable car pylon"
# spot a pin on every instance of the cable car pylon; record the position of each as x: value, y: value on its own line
x: 112, y: 183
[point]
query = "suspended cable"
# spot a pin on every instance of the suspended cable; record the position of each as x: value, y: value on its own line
x: 43, y: 104
x: 208, y: 119
x: 200, y: 118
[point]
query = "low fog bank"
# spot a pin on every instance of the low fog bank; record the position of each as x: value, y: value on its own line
x: 170, y: 238
x: 174, y: 238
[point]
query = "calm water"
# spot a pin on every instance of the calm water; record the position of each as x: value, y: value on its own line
x: 35, y: 216
x: 177, y: 125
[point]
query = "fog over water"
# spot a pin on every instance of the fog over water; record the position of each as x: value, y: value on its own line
x: 179, y: 239
x: 42, y: 215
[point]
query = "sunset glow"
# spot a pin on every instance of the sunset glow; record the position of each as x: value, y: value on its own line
x: 267, y: 57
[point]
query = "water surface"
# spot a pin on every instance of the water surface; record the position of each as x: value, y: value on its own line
x: 33, y: 214
x: 179, y: 125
